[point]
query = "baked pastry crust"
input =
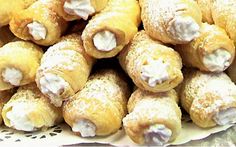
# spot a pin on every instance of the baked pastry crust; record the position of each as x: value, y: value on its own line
x: 120, y: 17
x: 45, y: 12
x: 171, y: 21
x: 222, y: 13
x: 67, y: 60
x: 102, y: 101
x: 136, y: 55
x: 97, y: 5
x: 147, y: 109
x: 211, y: 39
x: 10, y: 7
x: 23, y: 56
x: 41, y: 114
x: 202, y: 96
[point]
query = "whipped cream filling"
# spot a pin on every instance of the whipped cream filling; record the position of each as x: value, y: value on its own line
x: 157, y: 134
x: 18, y: 117
x: 225, y: 117
x: 184, y: 28
x: 217, y: 61
x: 154, y: 72
x: 53, y: 86
x: 81, y: 8
x: 12, y: 76
x: 37, y: 30
x: 85, y: 127
x: 105, y: 41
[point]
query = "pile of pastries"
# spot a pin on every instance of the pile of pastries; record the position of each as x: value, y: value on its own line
x: 48, y: 70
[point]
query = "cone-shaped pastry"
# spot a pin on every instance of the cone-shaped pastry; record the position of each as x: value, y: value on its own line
x: 4, y: 98
x: 205, y: 6
x: 77, y: 9
x: 19, y: 62
x: 151, y: 65
x: 9, y: 7
x: 209, y: 98
x: 222, y: 13
x: 109, y: 31
x: 30, y: 110
x: 5, y: 35
x: 232, y: 71
x: 41, y: 22
x: 154, y: 118
x: 98, y: 109
x: 171, y: 21
x: 64, y: 69
x: 212, y: 51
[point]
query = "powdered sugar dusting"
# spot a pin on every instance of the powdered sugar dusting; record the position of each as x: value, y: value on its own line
x: 160, y: 13
x: 215, y: 82
x: 150, y: 106
x: 149, y: 110
x: 211, y: 95
x: 215, y: 105
x: 102, y: 91
x: 57, y: 58
x: 45, y: 8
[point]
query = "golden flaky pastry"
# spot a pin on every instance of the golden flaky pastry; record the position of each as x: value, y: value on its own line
x: 209, y: 98
x: 30, y: 110
x: 109, y: 31
x: 77, y: 9
x: 171, y: 21
x: 40, y: 23
x: 10, y: 7
x: 151, y: 65
x: 212, y: 51
x: 64, y: 69
x: 98, y: 109
x: 154, y: 118
x: 221, y: 13
x: 19, y: 62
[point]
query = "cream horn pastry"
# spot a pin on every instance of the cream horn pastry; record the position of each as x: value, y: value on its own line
x: 9, y: 7
x: 41, y: 22
x: 98, y: 109
x: 222, y: 13
x: 64, y: 69
x: 212, y: 51
x: 109, y: 31
x: 5, y: 35
x: 154, y: 118
x: 205, y: 6
x: 231, y: 71
x: 4, y: 98
x: 171, y: 21
x: 151, y: 65
x: 29, y: 110
x: 19, y: 62
x: 209, y: 98
x: 77, y: 9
